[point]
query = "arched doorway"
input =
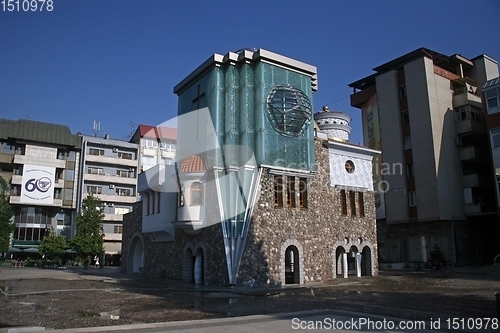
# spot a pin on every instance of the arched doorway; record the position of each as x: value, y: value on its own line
x: 198, y: 271
x: 136, y: 256
x: 366, y: 262
x: 351, y: 260
x: 292, y: 271
x: 341, y: 266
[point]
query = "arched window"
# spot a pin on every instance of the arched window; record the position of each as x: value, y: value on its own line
x: 196, y: 194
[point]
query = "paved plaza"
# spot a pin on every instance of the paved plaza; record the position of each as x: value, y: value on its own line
x: 104, y: 300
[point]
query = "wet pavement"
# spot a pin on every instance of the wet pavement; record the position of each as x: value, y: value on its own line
x: 77, y: 298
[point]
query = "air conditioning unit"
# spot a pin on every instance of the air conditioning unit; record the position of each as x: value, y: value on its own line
x: 115, y: 150
x: 111, y: 186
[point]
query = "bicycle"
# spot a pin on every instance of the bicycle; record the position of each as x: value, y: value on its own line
x: 496, y: 261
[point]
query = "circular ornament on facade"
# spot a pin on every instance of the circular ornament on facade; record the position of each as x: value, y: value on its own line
x: 289, y: 110
x: 349, y: 166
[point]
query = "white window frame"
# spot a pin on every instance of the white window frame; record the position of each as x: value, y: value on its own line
x: 494, y: 96
x: 495, y: 133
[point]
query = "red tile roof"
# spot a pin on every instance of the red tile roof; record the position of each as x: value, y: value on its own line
x: 194, y: 163
x: 161, y: 132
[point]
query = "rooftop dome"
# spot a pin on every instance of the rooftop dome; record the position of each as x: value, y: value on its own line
x: 194, y: 163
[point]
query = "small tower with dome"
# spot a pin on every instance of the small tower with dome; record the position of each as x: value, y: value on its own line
x: 334, y: 124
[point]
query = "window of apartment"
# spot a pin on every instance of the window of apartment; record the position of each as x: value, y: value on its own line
x: 495, y: 137
x: 146, y: 202
x: 6, y: 148
x: 118, y: 229
x: 167, y: 146
x: 95, y: 171
x: 343, y: 202
x: 15, y: 190
x: 412, y: 199
x: 409, y: 170
x: 303, y: 192
x: 405, y: 117
x: 361, y: 204
x: 466, y: 112
x: 57, y: 193
x: 124, y: 192
x: 123, y: 173
x: 96, y: 152
x: 149, y: 143
x: 18, y: 170
x: 68, y: 194
x: 158, y: 200
x: 70, y: 174
x: 59, y: 174
x: 407, y: 143
x: 492, y: 102
x: 196, y: 194
x: 290, y: 191
x: 60, y: 218
x: 125, y: 156
x: 278, y: 191
x: 94, y: 189
x: 152, y: 201
x: 352, y: 201
x: 402, y: 92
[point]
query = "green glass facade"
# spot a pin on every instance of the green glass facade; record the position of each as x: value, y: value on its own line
x: 236, y: 96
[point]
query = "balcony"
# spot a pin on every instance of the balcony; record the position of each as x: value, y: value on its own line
x: 473, y: 180
x: 111, y: 160
x: 16, y: 199
x: 112, y: 237
x: 17, y: 179
x: 116, y: 198
x: 23, y: 159
x: 110, y: 179
x: 167, y: 154
x: 470, y: 126
x: 113, y: 217
x: 472, y: 153
x: 465, y: 97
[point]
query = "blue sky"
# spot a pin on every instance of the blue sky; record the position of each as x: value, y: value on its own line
x: 117, y: 61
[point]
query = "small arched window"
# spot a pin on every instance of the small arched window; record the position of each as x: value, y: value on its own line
x: 196, y: 192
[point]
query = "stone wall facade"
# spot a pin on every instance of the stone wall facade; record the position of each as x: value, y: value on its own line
x: 319, y: 233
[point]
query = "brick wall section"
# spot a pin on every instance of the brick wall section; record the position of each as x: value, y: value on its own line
x: 318, y: 230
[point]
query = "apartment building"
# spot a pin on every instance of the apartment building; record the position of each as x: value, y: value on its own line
x: 40, y: 162
x: 423, y: 111
x: 109, y: 172
x: 157, y: 145
x: 491, y: 90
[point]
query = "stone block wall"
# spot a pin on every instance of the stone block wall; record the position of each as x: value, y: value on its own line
x: 316, y: 231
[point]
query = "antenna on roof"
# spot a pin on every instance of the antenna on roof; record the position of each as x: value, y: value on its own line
x: 97, y: 127
x: 134, y: 125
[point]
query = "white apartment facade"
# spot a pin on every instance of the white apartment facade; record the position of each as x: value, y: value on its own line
x: 109, y: 172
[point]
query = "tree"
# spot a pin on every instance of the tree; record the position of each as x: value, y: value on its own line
x: 7, y: 227
x: 52, y: 246
x: 89, y: 238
